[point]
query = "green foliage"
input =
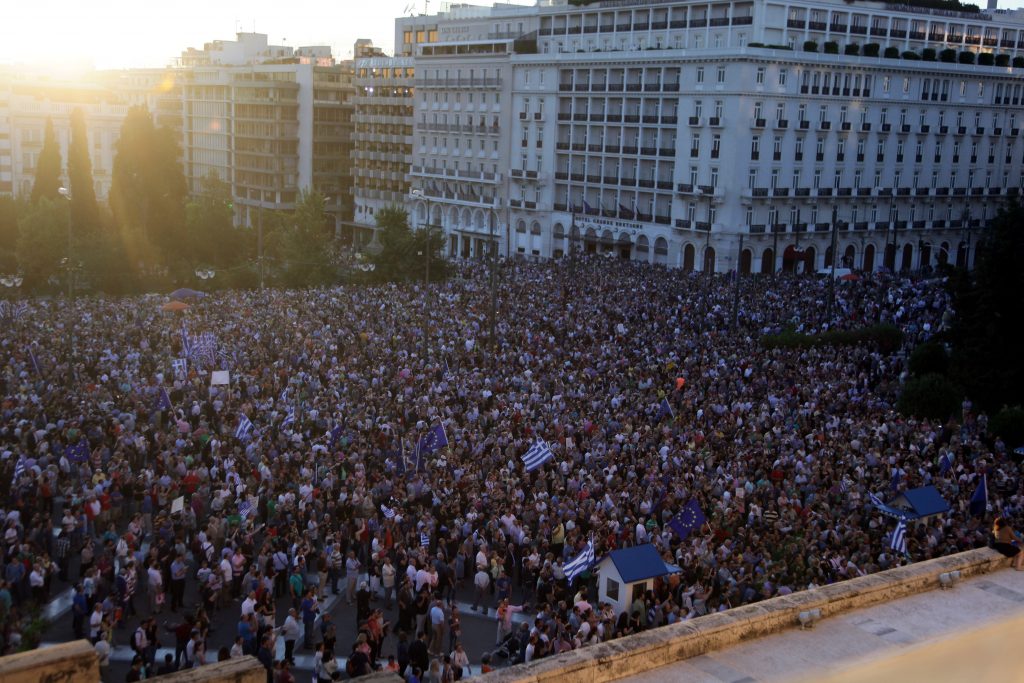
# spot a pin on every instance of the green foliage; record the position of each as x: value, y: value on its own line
x: 147, y: 193
x: 48, y: 167
x: 966, y: 57
x: 929, y: 358
x: 886, y: 337
x: 210, y: 234
x: 891, y: 52
x: 9, y: 210
x: 986, y: 335
x: 912, y: 56
x: 299, y: 246
x: 871, y: 49
x: 1008, y: 425
x: 85, y: 212
x: 1002, y: 60
x: 402, y: 255
x: 831, y: 47
x: 986, y: 59
x: 948, y: 55
x: 930, y: 396
x: 42, y: 241
x: 928, y: 54
x: 851, y: 49
x: 810, y: 46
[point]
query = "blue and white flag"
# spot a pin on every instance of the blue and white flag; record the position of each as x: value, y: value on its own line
x: 979, y: 500
x: 245, y: 508
x: 180, y: 368
x: 538, y: 454
x: 388, y: 513
x: 424, y: 539
x: 289, y: 419
x: 163, y: 401
x: 19, y: 470
x: 244, y: 427
x: 580, y: 563
x: 335, y: 434
x: 35, y: 362
x: 944, y: 464
x: 186, y: 341
x: 899, y: 538
x: 434, y: 439
x: 844, y: 485
x: 897, y: 477
x: 876, y: 501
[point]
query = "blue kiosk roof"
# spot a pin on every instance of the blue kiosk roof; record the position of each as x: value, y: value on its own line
x: 639, y: 562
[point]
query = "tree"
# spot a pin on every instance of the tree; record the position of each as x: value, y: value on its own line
x: 9, y: 210
x: 85, y: 213
x: 402, y: 256
x: 210, y: 234
x: 42, y: 241
x: 47, y: 183
x: 986, y: 335
x: 301, y: 244
x: 148, y: 190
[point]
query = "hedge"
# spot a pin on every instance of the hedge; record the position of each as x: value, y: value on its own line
x: 1008, y: 425
x: 887, y: 337
x: 930, y: 396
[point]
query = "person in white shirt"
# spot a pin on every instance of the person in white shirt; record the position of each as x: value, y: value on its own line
x: 96, y: 622
x: 290, y: 633
x: 249, y: 604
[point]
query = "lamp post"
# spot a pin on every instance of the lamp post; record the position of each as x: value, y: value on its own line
x: 12, y: 282
x: 66, y: 194
x: 736, y: 292
x: 832, y: 275
x: 206, y: 273
x: 419, y: 194
x: 492, y: 244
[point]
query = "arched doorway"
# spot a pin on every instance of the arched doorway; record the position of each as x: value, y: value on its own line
x: 625, y: 247
x: 607, y: 242
x: 768, y: 261
x: 810, y: 256
x: 849, y: 256
x: 925, y: 254
x: 961, y: 255
x: 869, y: 258
x: 709, y: 260
x: 942, y: 258
x: 590, y: 241
x: 689, y: 254
x: 661, y: 250
x: 745, y: 258
x: 908, y: 257
x: 890, y: 257
x: 643, y: 248
x: 794, y: 260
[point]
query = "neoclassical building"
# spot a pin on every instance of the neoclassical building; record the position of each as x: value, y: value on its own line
x: 674, y: 132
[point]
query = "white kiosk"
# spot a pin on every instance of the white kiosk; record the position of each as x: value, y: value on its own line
x: 629, y: 572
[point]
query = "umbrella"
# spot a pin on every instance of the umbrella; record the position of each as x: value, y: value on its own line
x: 186, y: 293
x: 850, y: 277
x: 175, y: 306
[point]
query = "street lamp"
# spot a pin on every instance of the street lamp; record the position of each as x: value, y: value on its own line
x: 66, y: 194
x: 832, y: 275
x: 206, y: 274
x: 419, y: 194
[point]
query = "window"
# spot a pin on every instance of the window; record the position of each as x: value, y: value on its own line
x: 611, y: 589
x: 782, y: 77
x: 700, y: 74
x: 751, y: 179
x: 760, y: 75
x: 906, y: 85
x: 755, y: 147
x: 885, y: 84
x: 721, y: 74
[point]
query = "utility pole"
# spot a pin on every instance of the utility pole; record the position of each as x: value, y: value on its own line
x: 832, y: 275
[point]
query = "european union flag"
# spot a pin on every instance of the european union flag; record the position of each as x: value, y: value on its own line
x: 690, y: 518
x: 979, y: 501
x: 665, y: 410
x: 897, y: 476
x: 434, y: 439
x: 78, y: 452
x: 335, y: 435
x: 944, y: 465
x: 163, y: 401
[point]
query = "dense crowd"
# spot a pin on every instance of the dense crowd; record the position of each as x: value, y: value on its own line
x: 328, y: 491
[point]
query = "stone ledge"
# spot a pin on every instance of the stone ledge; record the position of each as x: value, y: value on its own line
x: 659, y: 647
x: 246, y: 669
x: 67, y: 662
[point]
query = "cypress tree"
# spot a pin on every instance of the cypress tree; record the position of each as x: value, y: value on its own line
x: 48, y: 168
x: 85, y: 213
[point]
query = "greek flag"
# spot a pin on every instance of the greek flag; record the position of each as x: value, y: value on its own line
x: 665, y: 410
x: 244, y: 427
x: 180, y: 367
x: 19, y: 470
x: 580, y: 563
x: 424, y: 539
x: 35, y: 362
x: 389, y: 513
x: 876, y: 501
x: 245, y: 508
x: 844, y: 485
x: 289, y: 419
x: 899, y: 538
x: 538, y: 454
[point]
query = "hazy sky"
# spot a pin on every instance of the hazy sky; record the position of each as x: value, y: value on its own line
x: 124, y: 33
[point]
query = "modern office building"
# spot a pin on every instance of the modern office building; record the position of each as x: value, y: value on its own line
x: 269, y: 120
x: 673, y: 132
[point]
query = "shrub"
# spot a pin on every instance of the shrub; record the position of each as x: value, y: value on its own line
x: 966, y: 57
x: 931, y: 396
x: 887, y: 337
x: 755, y: 44
x: 986, y: 59
x: 1002, y: 60
x: 947, y: 55
x: 851, y: 49
x: 1018, y: 62
x: 911, y: 55
x: 871, y: 49
x: 831, y: 48
x: 1008, y: 425
x: 929, y: 358
x: 891, y: 52
x: 928, y: 54
x: 810, y: 46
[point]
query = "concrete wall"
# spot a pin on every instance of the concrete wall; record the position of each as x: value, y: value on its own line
x: 240, y: 670
x: 65, y: 663
x: 659, y: 647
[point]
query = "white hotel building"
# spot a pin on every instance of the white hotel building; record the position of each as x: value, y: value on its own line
x: 666, y: 131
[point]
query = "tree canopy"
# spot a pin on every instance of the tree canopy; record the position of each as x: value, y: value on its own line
x: 48, y: 168
x: 85, y: 213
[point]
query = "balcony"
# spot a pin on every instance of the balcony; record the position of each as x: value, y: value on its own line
x: 921, y: 191
x: 778, y: 227
x: 824, y: 125
x: 694, y: 120
x: 670, y: 120
x: 845, y: 125
x: 979, y: 130
x: 683, y: 224
x: 905, y: 128
x: 756, y: 229
x: 863, y: 191
x: 781, y: 123
x: 886, y: 127
x: 802, y: 192
x: 844, y: 191
x: 804, y: 125
x: 685, y: 188
x: 759, y: 123
x: 715, y: 122
x: 780, y: 192
x: 703, y: 225
x: 759, y: 192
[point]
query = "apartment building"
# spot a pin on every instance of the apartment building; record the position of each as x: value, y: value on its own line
x: 673, y: 132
